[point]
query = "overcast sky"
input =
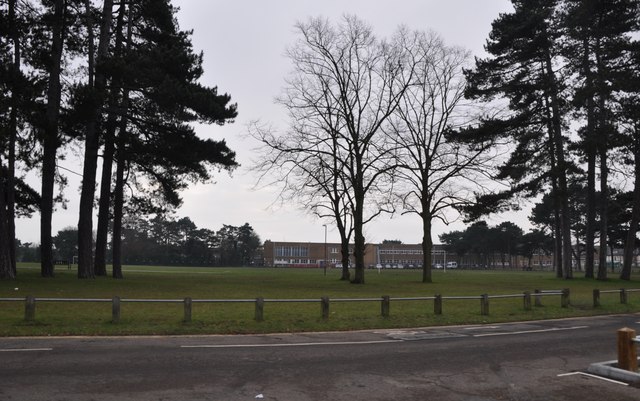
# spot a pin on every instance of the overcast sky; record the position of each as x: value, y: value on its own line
x: 244, y: 42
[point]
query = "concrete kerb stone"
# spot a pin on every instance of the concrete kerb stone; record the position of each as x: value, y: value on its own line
x: 610, y: 370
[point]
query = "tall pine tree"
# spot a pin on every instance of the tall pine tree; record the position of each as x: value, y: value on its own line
x: 522, y: 68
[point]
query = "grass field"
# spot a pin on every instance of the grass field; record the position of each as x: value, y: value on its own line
x: 58, y: 318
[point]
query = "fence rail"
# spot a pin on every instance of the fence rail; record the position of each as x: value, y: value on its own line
x: 385, y: 300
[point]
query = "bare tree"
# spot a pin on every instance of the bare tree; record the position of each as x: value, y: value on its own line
x: 303, y: 163
x: 435, y: 173
x: 345, y: 85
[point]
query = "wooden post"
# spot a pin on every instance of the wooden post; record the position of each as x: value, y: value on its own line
x: 259, y: 309
x: 627, y: 352
x: 384, y: 306
x: 115, y: 309
x: 564, y: 299
x: 484, y: 304
x: 437, y: 305
x: 596, y: 298
x: 324, y: 304
x: 187, y: 309
x: 538, y: 301
x: 527, y: 300
x: 623, y: 296
x: 29, y: 308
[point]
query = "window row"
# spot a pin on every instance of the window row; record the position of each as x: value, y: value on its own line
x: 292, y: 251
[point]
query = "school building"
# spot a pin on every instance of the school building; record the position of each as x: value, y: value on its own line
x: 314, y: 254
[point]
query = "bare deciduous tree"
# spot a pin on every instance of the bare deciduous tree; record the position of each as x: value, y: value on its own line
x: 345, y: 85
x: 435, y: 173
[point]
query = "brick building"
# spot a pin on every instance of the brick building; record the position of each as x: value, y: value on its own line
x: 391, y: 255
x: 314, y: 254
x: 308, y: 254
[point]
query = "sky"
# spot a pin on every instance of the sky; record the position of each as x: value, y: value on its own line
x: 244, y: 43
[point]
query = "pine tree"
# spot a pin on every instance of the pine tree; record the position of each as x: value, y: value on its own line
x: 163, y: 96
x: 597, y: 49
x: 522, y: 68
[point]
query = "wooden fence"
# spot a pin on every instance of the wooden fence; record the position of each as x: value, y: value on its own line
x: 325, y: 302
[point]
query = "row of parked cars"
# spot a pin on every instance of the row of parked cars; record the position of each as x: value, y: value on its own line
x: 397, y: 266
x: 449, y: 265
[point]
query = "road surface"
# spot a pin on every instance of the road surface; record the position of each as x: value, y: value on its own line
x: 519, y: 361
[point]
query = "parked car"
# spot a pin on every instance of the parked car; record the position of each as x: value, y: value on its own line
x: 438, y: 266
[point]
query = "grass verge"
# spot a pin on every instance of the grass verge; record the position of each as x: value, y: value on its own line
x: 57, y: 318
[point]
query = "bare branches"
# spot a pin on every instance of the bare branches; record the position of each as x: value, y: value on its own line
x: 368, y: 124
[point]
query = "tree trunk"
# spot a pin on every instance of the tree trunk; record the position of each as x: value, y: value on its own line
x: 557, y: 231
x: 560, y: 171
x: 604, y: 196
x: 358, y: 252
x: 85, y: 222
x: 344, y: 252
x: 577, y: 253
x: 590, y: 150
x: 9, y: 190
x: 104, y: 207
x: 591, y: 215
x: 51, y: 142
x: 427, y: 247
x: 118, y: 203
x: 358, y: 220
x: 557, y: 244
x: 630, y: 244
x: 6, y: 270
x: 603, y: 144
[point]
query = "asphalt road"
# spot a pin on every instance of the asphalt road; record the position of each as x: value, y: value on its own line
x: 524, y: 361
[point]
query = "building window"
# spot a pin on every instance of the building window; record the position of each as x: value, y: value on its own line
x: 291, y: 251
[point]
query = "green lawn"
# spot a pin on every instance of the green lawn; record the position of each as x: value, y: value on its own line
x: 144, y: 282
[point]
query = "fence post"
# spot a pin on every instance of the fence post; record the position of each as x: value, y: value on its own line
x: 596, y: 298
x: 565, y: 300
x: 115, y: 309
x: 324, y: 303
x: 187, y: 309
x: 527, y: 300
x: 538, y: 301
x: 437, y: 305
x: 384, y: 306
x: 627, y: 353
x: 623, y: 296
x: 484, y: 304
x: 259, y: 309
x: 29, y: 308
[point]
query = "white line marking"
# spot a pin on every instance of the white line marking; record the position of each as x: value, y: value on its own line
x: 24, y: 349
x: 290, y: 344
x: 531, y: 331
x: 481, y: 327
x: 594, y: 376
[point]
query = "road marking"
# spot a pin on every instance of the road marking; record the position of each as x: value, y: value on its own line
x: 531, y: 331
x: 594, y: 376
x: 24, y: 349
x: 481, y: 327
x: 289, y: 344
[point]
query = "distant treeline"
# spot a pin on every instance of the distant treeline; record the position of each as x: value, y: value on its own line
x: 166, y: 241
